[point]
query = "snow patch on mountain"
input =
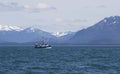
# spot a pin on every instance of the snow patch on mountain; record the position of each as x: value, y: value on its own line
x: 114, y: 22
x: 105, y: 20
x: 10, y: 28
x: 59, y: 34
x: 32, y: 29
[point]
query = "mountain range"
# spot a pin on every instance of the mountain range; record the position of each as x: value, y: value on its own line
x: 24, y: 35
x: 106, y: 31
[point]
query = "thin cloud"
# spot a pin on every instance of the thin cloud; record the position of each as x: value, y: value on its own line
x: 40, y: 7
x: 44, y: 6
x: 80, y: 20
x: 5, y: 7
x: 71, y: 20
x: 101, y: 6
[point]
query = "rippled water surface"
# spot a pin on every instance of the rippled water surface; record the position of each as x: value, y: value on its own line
x: 60, y: 60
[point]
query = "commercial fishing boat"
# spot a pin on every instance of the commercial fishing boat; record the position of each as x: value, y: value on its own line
x: 42, y: 44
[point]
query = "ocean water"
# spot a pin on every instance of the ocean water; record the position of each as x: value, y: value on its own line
x: 60, y: 60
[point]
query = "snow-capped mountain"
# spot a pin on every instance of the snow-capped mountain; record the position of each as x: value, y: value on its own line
x: 10, y: 28
x: 16, y: 34
x: 107, y: 31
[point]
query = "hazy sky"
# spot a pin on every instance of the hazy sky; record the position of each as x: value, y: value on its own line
x: 56, y: 15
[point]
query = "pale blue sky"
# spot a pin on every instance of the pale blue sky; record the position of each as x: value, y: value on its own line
x: 56, y: 15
